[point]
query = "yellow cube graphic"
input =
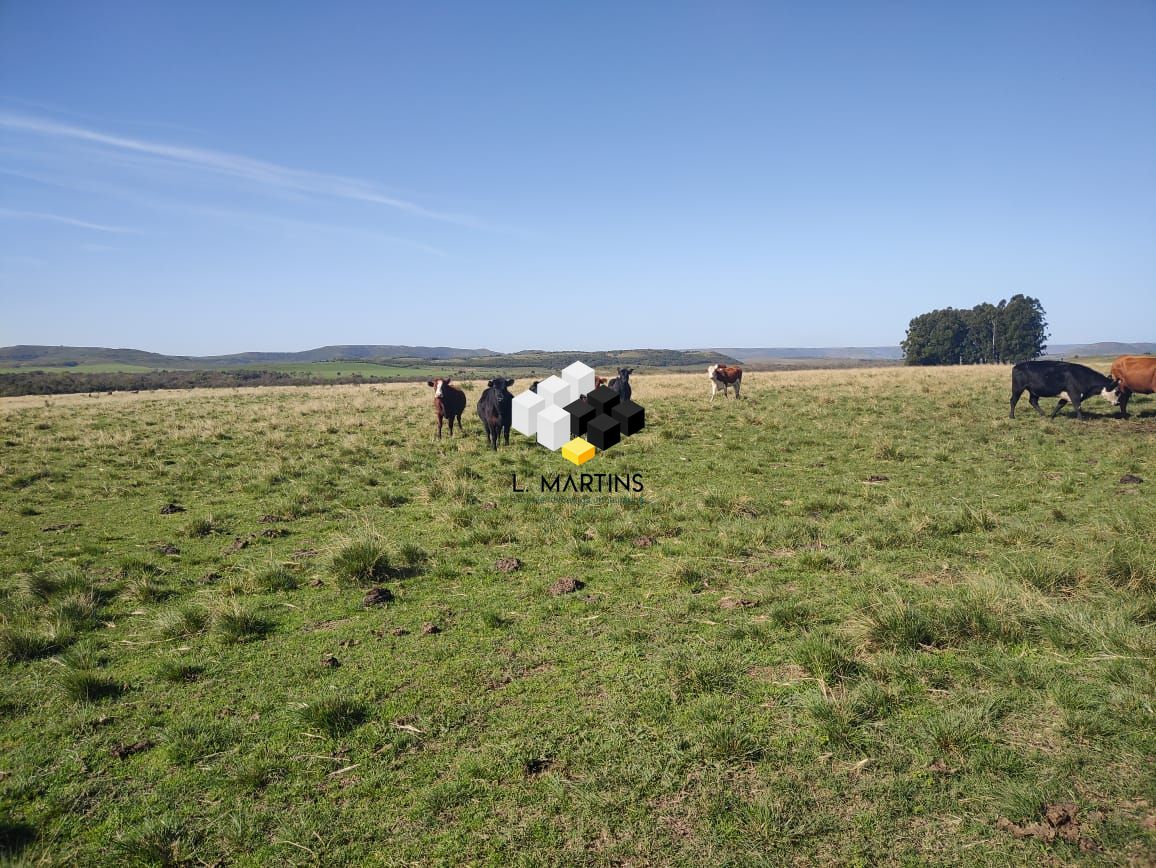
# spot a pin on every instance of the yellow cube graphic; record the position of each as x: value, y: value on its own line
x: 578, y: 451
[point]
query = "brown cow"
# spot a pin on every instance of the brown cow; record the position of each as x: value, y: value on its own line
x: 449, y: 403
x: 1135, y: 375
x: 724, y: 375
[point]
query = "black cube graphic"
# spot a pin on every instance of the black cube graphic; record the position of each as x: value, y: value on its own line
x: 603, y: 399
x: 603, y: 431
x: 581, y: 412
x: 631, y: 417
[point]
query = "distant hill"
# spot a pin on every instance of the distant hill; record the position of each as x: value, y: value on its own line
x: 756, y: 354
x: 29, y: 356
x: 1103, y: 348
x: 25, y: 358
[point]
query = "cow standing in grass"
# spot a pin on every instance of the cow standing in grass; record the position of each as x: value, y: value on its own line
x: 1064, y: 380
x: 725, y: 376
x: 449, y: 403
x: 1135, y: 375
x: 495, y: 409
x: 621, y: 383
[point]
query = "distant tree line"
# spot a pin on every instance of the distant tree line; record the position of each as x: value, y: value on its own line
x: 62, y: 383
x: 1012, y: 331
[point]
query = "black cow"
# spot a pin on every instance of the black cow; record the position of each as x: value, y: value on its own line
x: 1067, y: 381
x: 495, y: 409
x: 621, y: 383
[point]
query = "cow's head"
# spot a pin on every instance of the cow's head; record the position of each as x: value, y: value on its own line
x: 624, y: 373
x: 500, y: 383
x: 1111, y: 393
x: 710, y: 372
x: 437, y: 385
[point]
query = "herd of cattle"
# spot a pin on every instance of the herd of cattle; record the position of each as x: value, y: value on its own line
x: 1071, y: 383
x: 495, y: 406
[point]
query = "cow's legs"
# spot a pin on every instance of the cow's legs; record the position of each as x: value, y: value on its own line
x: 1034, y: 400
x: 1014, y: 400
x: 506, y: 432
x: 737, y: 382
x: 1076, y: 405
x: 713, y: 389
x: 440, y: 428
x: 1124, y: 396
x: 1060, y: 406
x: 451, y: 421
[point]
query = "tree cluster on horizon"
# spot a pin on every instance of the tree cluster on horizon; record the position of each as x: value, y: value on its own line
x: 1014, y: 330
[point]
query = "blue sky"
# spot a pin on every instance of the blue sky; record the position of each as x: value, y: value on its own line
x: 215, y: 177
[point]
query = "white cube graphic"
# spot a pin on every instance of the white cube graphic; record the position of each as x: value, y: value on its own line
x: 553, y: 427
x: 556, y: 391
x: 581, y: 380
x: 526, y: 407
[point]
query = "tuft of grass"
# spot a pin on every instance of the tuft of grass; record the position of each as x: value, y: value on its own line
x: 276, y: 578
x: 79, y: 609
x: 15, y: 836
x: 495, y: 620
x: 828, y: 656
x: 412, y: 555
x: 334, y: 715
x: 178, y: 672
x: 85, y: 685
x: 360, y: 562
x: 693, y: 676
x: 1131, y: 567
x: 187, y: 619
x: 900, y: 626
x: 205, y: 526
x: 690, y: 576
x: 192, y: 741
x: 163, y: 842
x: 951, y: 732
x: 20, y: 642
x: 234, y: 623
x: 35, y: 586
x: 730, y: 742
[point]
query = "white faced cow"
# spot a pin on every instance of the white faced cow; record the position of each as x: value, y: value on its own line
x: 449, y: 403
x: 724, y: 376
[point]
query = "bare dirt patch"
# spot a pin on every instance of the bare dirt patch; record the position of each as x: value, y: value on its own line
x: 120, y: 751
x: 737, y: 603
x: 566, y: 585
x: 1060, y: 822
x: 377, y: 597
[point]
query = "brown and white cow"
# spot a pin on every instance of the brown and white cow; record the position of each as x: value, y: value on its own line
x: 449, y: 403
x: 1134, y: 375
x: 724, y: 375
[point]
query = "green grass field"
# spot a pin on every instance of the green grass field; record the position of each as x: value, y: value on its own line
x: 858, y: 617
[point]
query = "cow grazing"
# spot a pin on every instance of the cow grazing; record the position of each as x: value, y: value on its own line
x: 495, y: 409
x: 725, y: 376
x: 1067, y: 381
x: 1135, y: 375
x: 621, y: 383
x: 449, y: 403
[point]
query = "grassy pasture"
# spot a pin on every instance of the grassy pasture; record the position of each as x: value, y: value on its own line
x: 858, y: 617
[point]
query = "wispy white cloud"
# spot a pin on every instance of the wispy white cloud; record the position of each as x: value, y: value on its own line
x: 248, y: 219
x: 260, y: 172
x: 10, y: 214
